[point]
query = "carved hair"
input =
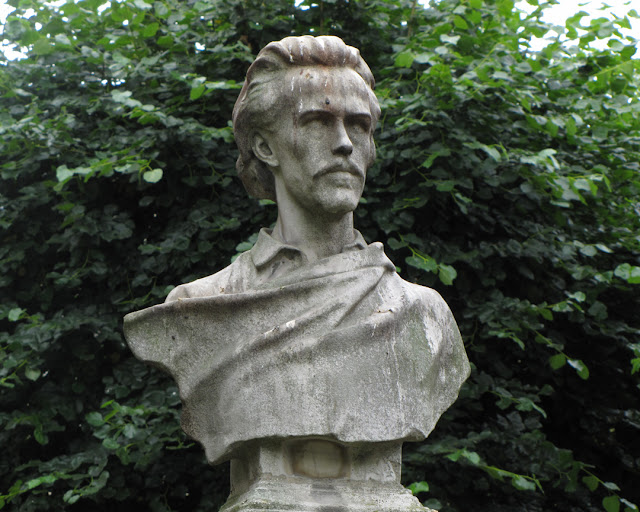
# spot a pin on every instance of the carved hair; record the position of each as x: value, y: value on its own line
x: 256, y: 107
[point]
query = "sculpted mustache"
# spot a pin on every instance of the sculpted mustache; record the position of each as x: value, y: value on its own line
x: 351, y: 169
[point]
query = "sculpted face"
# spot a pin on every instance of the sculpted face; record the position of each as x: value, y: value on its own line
x: 321, y: 147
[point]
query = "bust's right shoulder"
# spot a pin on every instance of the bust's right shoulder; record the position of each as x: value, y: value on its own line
x: 232, y: 279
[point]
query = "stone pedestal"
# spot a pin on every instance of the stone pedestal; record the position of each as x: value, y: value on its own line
x: 319, y: 475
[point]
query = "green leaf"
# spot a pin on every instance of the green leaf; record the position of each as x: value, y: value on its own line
x: 489, y: 150
x: 545, y: 313
x: 418, y: 487
x: 395, y: 244
x: 404, y: 60
x: 197, y: 91
x: 447, y: 274
x: 432, y: 157
x: 94, y: 419
x: 577, y: 296
x: 505, y: 7
x: 129, y: 431
x: 611, y: 503
x: 472, y: 457
x: 446, y: 186
x: 557, y: 361
x: 71, y: 496
x: 580, y: 367
x: 32, y: 373
x: 449, y: 39
x: 150, y: 30
x: 141, y: 4
x: 45, y: 479
x: 15, y: 314
x: 110, y: 444
x: 40, y: 436
x: 165, y: 40
x: 152, y: 176
x: 523, y: 484
x: 460, y: 22
x: 591, y: 482
x: 423, y: 263
x: 63, y: 174
x: 43, y: 47
x: 631, y: 274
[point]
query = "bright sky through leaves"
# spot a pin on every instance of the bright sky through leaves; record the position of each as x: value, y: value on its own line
x: 556, y: 14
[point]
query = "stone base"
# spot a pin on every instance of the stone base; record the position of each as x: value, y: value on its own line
x: 319, y: 475
x: 280, y: 494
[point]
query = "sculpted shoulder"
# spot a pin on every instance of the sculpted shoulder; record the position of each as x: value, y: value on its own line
x: 231, y: 279
x: 435, y: 309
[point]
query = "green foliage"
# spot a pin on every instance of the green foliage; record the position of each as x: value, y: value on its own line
x: 507, y: 178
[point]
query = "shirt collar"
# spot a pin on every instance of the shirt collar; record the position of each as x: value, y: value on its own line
x: 267, y: 248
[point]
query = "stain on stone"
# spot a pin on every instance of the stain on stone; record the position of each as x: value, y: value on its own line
x: 327, y: 497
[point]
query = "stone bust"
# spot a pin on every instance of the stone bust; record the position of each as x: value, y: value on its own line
x: 312, y: 160
x: 311, y: 334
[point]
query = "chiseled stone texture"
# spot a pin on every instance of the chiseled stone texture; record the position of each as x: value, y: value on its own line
x: 315, y: 475
x: 308, y: 361
x: 342, y: 348
x: 309, y: 495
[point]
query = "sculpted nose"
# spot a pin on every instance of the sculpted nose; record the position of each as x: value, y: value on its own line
x: 342, y: 144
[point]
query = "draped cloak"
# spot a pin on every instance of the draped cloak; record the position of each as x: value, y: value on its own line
x: 340, y: 348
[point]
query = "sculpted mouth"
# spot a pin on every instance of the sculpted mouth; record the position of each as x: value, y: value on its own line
x: 344, y: 167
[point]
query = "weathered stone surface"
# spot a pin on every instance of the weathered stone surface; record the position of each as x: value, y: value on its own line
x: 308, y: 361
x: 305, y: 475
x: 341, y: 348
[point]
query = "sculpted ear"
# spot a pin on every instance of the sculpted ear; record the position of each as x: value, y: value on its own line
x: 263, y: 150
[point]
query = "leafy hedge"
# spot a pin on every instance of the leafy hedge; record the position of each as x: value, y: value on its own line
x: 507, y: 178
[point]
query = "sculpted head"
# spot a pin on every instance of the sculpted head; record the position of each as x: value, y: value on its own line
x: 294, y: 87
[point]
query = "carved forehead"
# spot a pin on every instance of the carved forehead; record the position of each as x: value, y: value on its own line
x: 319, y: 85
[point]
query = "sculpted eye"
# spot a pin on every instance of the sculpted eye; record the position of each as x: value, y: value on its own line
x: 361, y: 123
x: 317, y: 118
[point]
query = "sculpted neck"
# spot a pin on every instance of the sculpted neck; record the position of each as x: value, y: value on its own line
x: 317, y: 236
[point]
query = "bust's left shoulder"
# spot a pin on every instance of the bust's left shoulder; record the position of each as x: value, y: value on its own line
x: 430, y: 301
